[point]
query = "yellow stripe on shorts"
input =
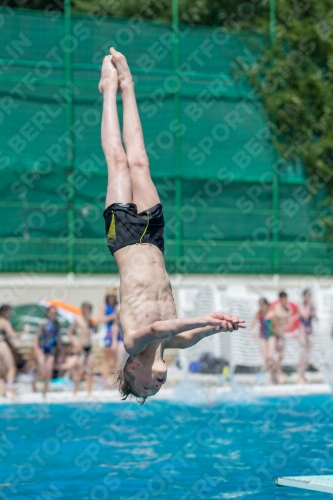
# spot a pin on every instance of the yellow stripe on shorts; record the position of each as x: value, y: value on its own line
x: 111, y: 236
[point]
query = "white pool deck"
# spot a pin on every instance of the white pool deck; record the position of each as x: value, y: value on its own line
x: 314, y: 483
x: 188, y: 391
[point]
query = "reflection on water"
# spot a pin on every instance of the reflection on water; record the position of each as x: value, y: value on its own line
x: 214, y: 446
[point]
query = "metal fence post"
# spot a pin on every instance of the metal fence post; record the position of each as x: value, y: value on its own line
x: 276, y: 180
x: 177, y: 139
x: 70, y: 137
x: 276, y: 220
x: 272, y: 19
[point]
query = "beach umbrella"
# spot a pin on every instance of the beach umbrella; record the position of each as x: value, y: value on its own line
x: 32, y: 314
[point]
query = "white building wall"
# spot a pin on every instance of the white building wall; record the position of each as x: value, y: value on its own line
x: 195, y: 295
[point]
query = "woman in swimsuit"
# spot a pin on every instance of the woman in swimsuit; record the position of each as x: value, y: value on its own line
x: 6, y: 356
x: 47, y: 340
x: 307, y: 314
x: 267, y: 339
x: 110, y: 332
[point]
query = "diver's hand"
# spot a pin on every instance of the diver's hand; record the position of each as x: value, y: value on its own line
x: 224, y: 322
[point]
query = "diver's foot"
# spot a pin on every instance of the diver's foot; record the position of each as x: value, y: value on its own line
x: 124, y: 73
x: 281, y: 378
x: 109, y: 76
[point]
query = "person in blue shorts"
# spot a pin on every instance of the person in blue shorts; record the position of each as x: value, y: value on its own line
x: 47, y: 343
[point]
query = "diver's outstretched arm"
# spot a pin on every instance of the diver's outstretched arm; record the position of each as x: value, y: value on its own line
x: 167, y: 329
x: 188, y: 339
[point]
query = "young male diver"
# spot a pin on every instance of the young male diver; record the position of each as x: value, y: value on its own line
x: 134, y: 227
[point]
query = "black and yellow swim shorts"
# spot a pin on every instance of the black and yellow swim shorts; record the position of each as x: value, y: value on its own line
x: 125, y: 226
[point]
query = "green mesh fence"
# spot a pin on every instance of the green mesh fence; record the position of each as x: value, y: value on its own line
x: 230, y: 204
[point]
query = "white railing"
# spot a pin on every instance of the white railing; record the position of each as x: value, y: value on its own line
x: 238, y: 348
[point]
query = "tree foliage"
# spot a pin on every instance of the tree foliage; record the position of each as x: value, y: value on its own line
x: 294, y: 72
x: 232, y: 13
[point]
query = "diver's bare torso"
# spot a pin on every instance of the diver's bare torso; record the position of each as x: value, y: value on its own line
x: 145, y: 289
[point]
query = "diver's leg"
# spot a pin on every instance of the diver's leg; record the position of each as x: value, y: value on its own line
x: 119, y: 182
x: 144, y: 191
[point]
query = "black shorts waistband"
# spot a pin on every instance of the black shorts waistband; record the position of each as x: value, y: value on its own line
x: 131, y: 207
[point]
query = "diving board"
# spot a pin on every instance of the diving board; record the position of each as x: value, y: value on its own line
x: 314, y: 483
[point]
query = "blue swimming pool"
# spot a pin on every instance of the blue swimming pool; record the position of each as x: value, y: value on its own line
x: 163, y: 450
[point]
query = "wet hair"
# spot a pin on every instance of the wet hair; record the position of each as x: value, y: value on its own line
x: 283, y: 295
x: 4, y: 309
x: 264, y: 301
x: 125, y: 380
x: 86, y: 305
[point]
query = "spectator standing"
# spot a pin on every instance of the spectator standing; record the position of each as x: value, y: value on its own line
x: 307, y: 314
x: 282, y: 321
x: 118, y: 345
x: 6, y: 355
x: 84, y: 328
x: 109, y: 332
x: 47, y: 343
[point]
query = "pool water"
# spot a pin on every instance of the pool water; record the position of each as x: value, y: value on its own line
x: 96, y: 451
